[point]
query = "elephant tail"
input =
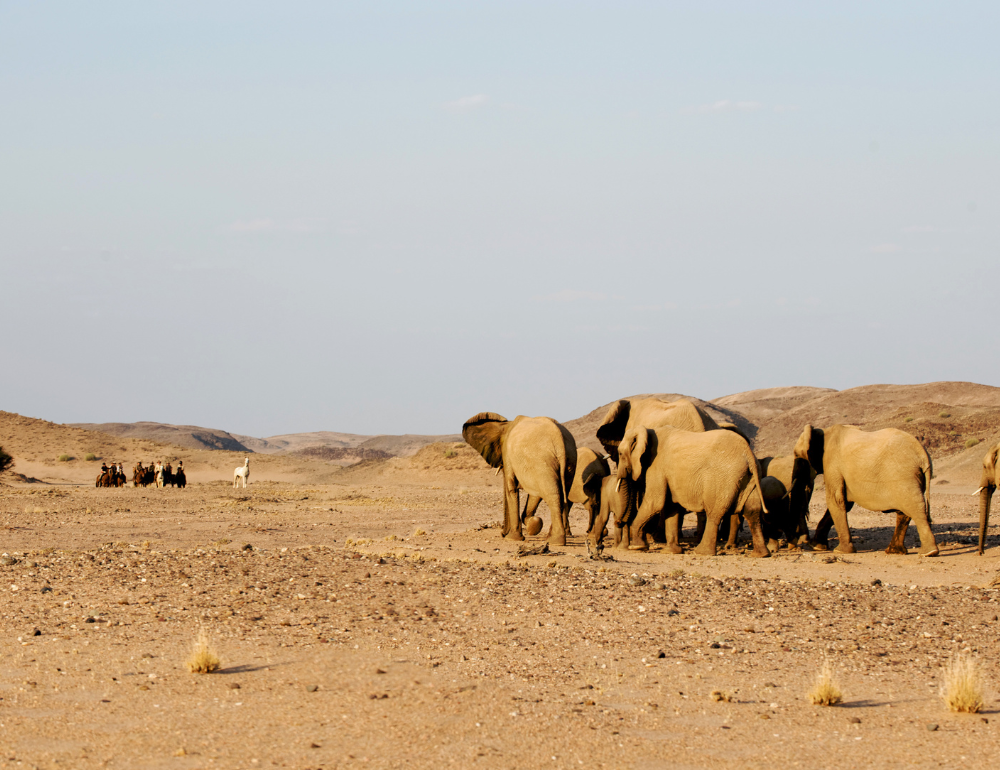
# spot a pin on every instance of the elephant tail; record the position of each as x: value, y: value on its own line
x: 754, y: 484
x: 928, y: 475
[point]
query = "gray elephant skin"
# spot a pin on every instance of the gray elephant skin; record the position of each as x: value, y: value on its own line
x: 883, y: 470
x: 712, y: 473
x: 536, y: 454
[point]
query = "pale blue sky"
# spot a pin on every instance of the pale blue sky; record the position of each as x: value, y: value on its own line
x: 385, y: 217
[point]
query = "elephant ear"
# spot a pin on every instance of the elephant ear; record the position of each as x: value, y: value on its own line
x: 639, y: 448
x: 990, y: 464
x: 810, y: 447
x: 484, y: 433
x: 612, y: 428
x: 732, y: 427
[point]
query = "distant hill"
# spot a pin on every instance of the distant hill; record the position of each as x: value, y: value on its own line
x: 188, y: 436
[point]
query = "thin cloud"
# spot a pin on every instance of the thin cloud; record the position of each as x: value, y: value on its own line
x: 725, y: 105
x: 467, y: 103
x: 571, y: 295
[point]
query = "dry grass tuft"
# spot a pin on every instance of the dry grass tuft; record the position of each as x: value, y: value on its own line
x: 825, y: 692
x: 963, y: 687
x: 418, y: 532
x: 721, y: 696
x: 203, y: 659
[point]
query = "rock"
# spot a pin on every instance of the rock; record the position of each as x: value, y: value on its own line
x: 234, y: 685
x: 312, y: 687
x: 854, y: 720
x: 876, y: 582
x: 635, y: 580
x: 661, y: 654
x: 932, y: 727
x: 532, y: 550
x: 7, y: 561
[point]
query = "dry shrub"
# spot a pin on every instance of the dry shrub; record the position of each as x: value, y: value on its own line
x: 418, y: 532
x: 963, y: 687
x: 721, y: 696
x: 203, y: 659
x: 825, y: 692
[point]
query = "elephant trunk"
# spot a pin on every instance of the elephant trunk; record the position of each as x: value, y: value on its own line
x: 985, y: 497
x: 626, y: 496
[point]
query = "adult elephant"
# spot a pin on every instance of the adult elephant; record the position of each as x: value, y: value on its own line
x: 625, y: 415
x: 536, y: 454
x: 714, y: 473
x: 591, y: 470
x: 885, y: 470
x: 772, y: 513
x: 988, y: 483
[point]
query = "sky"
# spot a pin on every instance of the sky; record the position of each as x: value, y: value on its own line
x: 385, y: 217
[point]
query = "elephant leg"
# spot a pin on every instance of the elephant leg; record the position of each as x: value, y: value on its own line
x: 699, y: 532
x: 599, y: 523
x: 560, y: 515
x: 592, y: 506
x: 760, y: 549
x: 916, y: 510
x: 898, y: 543
x: 836, y: 503
x: 647, y: 510
x: 821, y: 538
x: 657, y: 529
x: 530, y: 507
x: 672, y: 530
x: 732, y: 534
x: 710, y: 534
x: 511, y: 507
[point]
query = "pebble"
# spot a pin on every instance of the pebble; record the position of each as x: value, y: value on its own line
x: 234, y: 685
x: 635, y: 580
x: 7, y: 561
x: 932, y: 727
x: 854, y: 721
x: 312, y: 687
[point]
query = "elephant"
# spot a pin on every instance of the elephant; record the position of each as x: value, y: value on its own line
x: 615, y: 506
x: 536, y: 454
x: 791, y: 514
x: 712, y: 473
x: 775, y: 497
x: 884, y: 470
x: 591, y: 470
x: 988, y: 483
x: 655, y: 413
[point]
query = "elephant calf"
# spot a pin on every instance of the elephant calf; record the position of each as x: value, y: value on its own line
x: 988, y: 483
x: 591, y: 470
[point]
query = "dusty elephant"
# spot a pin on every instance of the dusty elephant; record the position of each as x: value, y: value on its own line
x: 591, y: 470
x: 988, y: 483
x: 885, y: 470
x: 536, y: 454
x: 624, y: 415
x: 773, y: 515
x: 615, y: 507
x: 790, y: 515
x: 712, y: 473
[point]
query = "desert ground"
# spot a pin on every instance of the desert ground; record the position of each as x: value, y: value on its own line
x: 371, y: 615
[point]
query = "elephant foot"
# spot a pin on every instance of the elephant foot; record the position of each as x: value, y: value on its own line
x: 820, y: 545
x: 513, y: 536
x: 707, y: 549
x: 773, y: 546
x: 930, y: 551
x: 846, y: 548
x: 557, y: 539
x: 897, y: 549
x: 639, y: 547
x: 760, y: 554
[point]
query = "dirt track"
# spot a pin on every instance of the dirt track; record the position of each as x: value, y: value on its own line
x: 488, y: 659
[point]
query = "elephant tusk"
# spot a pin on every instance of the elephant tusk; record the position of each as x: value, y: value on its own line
x: 618, y: 486
x: 977, y: 491
x: 498, y: 471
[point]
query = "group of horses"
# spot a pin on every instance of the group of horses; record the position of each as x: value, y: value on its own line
x: 155, y: 474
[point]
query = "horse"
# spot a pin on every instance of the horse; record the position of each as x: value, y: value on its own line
x: 179, y: 477
x: 242, y: 473
x: 159, y: 475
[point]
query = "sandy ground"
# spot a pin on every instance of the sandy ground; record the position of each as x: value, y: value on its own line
x: 348, y: 638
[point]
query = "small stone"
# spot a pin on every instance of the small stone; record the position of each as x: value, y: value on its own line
x: 765, y: 716
x: 180, y: 753
x: 876, y: 582
x: 7, y: 561
x: 714, y: 645
x: 313, y: 745
x: 234, y: 685
x: 635, y: 580
x: 588, y: 702
x: 312, y: 687
x: 661, y: 654
x: 854, y: 720
x: 379, y: 671
x: 932, y: 727
x: 36, y: 632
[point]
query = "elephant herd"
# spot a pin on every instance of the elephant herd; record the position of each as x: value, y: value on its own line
x: 672, y: 458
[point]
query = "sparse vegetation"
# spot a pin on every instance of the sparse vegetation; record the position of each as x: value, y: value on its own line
x: 64, y: 458
x: 203, y: 658
x: 825, y: 692
x: 90, y: 457
x: 6, y: 461
x: 971, y: 443
x: 963, y: 688
x: 721, y: 696
x: 944, y: 414
x: 418, y: 532
x: 450, y: 453
x: 908, y: 419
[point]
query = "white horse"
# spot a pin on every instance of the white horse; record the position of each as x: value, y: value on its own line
x: 159, y: 475
x: 242, y: 473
